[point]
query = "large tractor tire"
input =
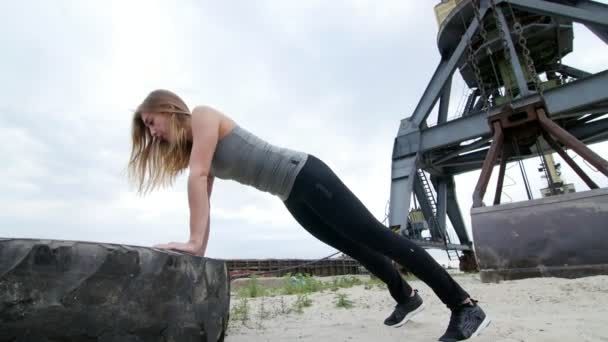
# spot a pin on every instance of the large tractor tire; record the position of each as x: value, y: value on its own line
x: 53, y: 291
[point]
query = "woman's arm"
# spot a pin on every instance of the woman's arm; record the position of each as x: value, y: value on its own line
x: 209, y: 189
x: 205, y: 131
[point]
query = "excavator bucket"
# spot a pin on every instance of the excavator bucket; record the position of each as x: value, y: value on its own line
x: 558, y: 236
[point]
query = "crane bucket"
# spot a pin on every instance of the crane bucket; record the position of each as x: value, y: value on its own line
x: 558, y: 236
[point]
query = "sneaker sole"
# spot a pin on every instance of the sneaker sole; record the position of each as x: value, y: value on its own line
x: 408, y: 316
x: 482, y: 326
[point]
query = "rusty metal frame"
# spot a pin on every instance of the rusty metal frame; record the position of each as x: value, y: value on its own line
x: 555, y: 146
x: 488, y: 165
x: 506, y: 153
x: 529, y: 122
x: 570, y: 141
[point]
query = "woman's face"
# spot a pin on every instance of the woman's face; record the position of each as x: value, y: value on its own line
x: 158, y: 124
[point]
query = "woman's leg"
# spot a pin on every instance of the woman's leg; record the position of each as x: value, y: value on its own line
x: 339, y: 208
x: 376, y: 263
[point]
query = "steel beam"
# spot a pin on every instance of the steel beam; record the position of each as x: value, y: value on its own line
x: 590, y: 117
x: 479, y: 105
x: 454, y: 212
x: 444, y: 103
x: 577, y: 14
x: 559, y: 101
x: 407, y: 142
x: 470, y: 102
x: 455, y: 131
x: 441, y: 245
x: 600, y: 33
x: 570, y: 71
x: 466, y: 148
x: 474, y: 160
x: 456, y: 170
x: 599, y: 108
x: 452, y: 207
x: 594, y: 6
x: 443, y: 73
x: 591, y: 132
x: 578, y: 94
x: 442, y: 201
x: 403, y: 172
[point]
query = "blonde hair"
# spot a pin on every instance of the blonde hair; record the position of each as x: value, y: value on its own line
x: 154, y: 162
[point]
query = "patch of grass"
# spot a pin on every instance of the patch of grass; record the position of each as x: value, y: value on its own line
x: 240, y: 312
x: 302, y: 302
x: 343, y: 301
x: 301, y: 283
x: 263, y: 314
x: 253, y: 289
x: 305, y: 284
x: 283, y: 309
x: 344, y: 282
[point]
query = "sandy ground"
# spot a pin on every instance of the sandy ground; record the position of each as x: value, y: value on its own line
x: 541, y: 309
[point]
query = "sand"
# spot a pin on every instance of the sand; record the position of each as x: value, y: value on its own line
x: 540, y: 309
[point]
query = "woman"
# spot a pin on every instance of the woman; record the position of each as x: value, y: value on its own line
x: 168, y: 138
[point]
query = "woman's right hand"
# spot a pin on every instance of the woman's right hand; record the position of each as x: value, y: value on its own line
x: 190, y: 247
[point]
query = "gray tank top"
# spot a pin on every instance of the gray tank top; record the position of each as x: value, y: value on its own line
x: 247, y: 159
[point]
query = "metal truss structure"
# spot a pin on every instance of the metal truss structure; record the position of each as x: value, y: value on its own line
x: 509, y: 53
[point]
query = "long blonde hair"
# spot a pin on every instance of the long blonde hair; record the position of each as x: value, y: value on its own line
x: 154, y: 162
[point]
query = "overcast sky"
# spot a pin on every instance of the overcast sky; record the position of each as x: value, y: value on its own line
x: 332, y: 78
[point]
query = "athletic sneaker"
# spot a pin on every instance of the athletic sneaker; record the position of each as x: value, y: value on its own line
x: 404, y: 312
x: 467, y: 320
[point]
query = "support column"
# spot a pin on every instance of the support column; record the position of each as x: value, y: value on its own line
x: 488, y: 165
x: 442, y: 201
x: 555, y: 146
x: 455, y: 214
x: 569, y: 140
x: 402, y: 187
x: 444, y: 103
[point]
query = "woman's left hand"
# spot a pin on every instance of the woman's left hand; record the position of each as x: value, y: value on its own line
x: 188, y: 247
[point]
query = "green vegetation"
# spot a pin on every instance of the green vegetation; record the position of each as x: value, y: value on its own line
x: 343, y: 301
x: 253, y: 314
x: 305, y: 284
x: 240, y: 312
x: 302, y: 302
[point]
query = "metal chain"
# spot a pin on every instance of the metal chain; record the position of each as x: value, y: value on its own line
x: 473, y: 62
x: 523, y: 42
x: 505, y: 45
x: 501, y: 33
x: 482, y: 29
x: 471, y: 58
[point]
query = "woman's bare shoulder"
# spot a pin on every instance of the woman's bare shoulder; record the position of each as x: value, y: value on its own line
x: 226, y: 123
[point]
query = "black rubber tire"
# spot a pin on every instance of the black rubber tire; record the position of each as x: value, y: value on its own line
x: 52, y: 290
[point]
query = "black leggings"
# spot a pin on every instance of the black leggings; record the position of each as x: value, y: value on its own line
x: 327, y: 209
